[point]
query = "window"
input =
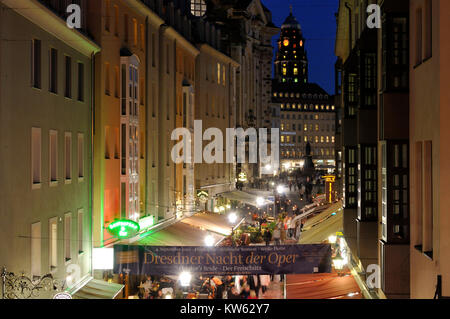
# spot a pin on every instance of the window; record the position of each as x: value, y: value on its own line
x: 427, y: 197
x: 153, y: 50
x: 53, y: 85
x: 198, y: 8
x: 116, y: 20
x: 53, y: 157
x: 167, y: 59
x: 53, y: 243
x: 36, y: 157
x: 224, y: 76
x: 36, y: 249
x: 218, y: 73
x: 36, y: 63
x: 418, y: 198
x: 135, y: 32
x: 80, y: 82
x: 68, y: 156
x: 107, y: 16
x: 67, y: 236
x: 68, y: 80
x: 124, y: 148
x: 418, y: 36
x: 142, y: 30
x: 80, y: 156
x: 107, y: 79
x: 428, y: 28
x: 125, y: 27
x: 80, y: 221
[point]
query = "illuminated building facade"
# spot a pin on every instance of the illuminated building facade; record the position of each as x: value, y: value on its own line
x: 45, y: 142
x: 430, y: 155
x: 120, y: 112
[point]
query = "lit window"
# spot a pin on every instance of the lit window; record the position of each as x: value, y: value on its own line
x: 295, y: 71
x: 282, y: 127
x: 198, y: 8
x: 282, y: 138
x: 218, y: 73
x: 284, y: 71
x: 306, y: 127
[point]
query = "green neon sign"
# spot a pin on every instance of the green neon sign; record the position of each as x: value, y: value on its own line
x: 123, y: 228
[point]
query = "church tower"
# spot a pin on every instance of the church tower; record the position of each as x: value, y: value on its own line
x: 291, y: 63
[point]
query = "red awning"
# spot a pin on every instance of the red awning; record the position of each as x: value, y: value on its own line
x: 322, y: 286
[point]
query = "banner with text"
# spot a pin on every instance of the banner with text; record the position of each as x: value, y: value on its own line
x: 164, y: 260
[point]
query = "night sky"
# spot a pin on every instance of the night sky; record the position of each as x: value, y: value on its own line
x: 318, y: 22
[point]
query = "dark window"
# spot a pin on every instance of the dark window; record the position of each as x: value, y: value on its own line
x: 53, y: 70
x: 80, y: 82
x: 68, y: 80
x: 36, y: 64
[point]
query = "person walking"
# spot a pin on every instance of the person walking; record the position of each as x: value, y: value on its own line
x: 265, y: 282
x: 267, y: 236
x: 277, y: 234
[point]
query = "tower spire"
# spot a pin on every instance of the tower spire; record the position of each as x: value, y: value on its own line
x: 290, y: 8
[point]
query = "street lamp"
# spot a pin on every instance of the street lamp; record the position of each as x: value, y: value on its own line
x: 338, y: 262
x: 185, y: 279
x: 280, y: 189
x: 209, y: 241
x: 232, y: 218
x: 259, y: 201
x: 332, y: 239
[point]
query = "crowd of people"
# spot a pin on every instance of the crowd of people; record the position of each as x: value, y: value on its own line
x: 233, y: 287
x: 201, y: 287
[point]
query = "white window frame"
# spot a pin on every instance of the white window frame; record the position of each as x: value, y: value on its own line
x: 80, y: 225
x: 52, y: 245
x: 80, y: 157
x: 37, y: 185
x: 52, y: 182
x: 68, y: 180
x: 67, y: 237
x: 36, y: 250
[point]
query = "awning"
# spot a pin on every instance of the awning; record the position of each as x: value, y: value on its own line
x: 322, y: 286
x: 178, y: 234
x: 318, y: 228
x: 244, y: 197
x: 98, y: 289
x: 216, y: 223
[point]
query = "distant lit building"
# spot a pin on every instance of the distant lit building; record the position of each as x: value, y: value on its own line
x: 307, y: 112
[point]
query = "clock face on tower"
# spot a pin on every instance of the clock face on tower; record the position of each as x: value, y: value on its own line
x: 286, y: 42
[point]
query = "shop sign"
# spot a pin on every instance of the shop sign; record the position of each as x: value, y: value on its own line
x: 123, y: 228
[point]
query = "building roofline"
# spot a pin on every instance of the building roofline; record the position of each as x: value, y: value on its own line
x: 44, y: 18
